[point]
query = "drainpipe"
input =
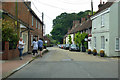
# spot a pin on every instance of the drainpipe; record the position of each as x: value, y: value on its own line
x: 16, y: 11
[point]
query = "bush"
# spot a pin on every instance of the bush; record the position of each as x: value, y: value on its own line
x: 89, y: 49
x: 101, y: 51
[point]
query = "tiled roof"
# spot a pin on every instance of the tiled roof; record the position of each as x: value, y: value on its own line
x: 87, y: 24
x: 105, y: 6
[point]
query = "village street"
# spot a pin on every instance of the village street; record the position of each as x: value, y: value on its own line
x: 59, y: 63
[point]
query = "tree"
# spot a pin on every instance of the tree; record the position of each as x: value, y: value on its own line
x: 9, y: 33
x: 63, y: 22
x: 79, y: 39
x: 70, y: 39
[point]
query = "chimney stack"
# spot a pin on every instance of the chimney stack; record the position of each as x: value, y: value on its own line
x: 75, y: 23
x: 100, y: 5
x: 82, y: 19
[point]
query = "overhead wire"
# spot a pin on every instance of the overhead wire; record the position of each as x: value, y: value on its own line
x: 73, y: 3
x: 39, y: 11
x: 36, y: 7
x: 54, y: 6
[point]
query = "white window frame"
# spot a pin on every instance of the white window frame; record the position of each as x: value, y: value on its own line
x: 118, y: 44
x: 36, y: 23
x: 102, y: 21
x: 32, y: 20
x: 103, y: 42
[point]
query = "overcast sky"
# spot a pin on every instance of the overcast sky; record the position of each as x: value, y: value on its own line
x: 53, y: 8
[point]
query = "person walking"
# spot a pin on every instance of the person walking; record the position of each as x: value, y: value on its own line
x: 20, y: 46
x: 40, y: 46
x: 35, y: 47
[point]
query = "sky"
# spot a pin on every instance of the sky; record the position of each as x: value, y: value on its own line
x: 53, y: 8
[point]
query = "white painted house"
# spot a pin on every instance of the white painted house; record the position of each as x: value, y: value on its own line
x: 106, y: 29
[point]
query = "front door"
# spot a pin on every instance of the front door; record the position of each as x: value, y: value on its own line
x: 25, y: 39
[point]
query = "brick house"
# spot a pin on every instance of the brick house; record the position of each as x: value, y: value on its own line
x: 26, y: 22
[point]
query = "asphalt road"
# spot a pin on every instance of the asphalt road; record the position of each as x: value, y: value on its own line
x: 59, y: 63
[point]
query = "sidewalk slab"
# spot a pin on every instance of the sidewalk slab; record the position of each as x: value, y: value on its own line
x: 11, y: 66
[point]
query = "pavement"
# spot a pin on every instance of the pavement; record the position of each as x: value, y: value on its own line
x: 11, y: 66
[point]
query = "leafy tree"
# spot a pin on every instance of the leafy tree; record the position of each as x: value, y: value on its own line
x: 63, y: 22
x: 8, y: 31
x: 70, y: 39
x: 79, y: 39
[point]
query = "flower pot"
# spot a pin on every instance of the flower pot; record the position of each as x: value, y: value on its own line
x: 102, y: 54
x: 94, y: 53
x: 89, y: 52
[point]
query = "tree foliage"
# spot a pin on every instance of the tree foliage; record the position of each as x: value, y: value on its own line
x: 63, y: 22
x: 70, y: 39
x: 79, y: 38
x: 52, y: 41
x: 8, y: 31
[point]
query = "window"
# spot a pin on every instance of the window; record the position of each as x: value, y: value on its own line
x: 32, y: 20
x: 102, y: 21
x: 94, y: 42
x: 36, y: 23
x: 39, y: 26
x: 117, y: 44
x: 102, y: 42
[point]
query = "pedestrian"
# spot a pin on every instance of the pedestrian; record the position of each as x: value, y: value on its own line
x: 40, y: 46
x: 20, y: 46
x: 35, y: 47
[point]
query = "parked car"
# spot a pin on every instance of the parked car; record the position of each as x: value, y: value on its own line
x: 67, y: 46
x: 61, y: 46
x: 64, y: 46
x: 74, y: 47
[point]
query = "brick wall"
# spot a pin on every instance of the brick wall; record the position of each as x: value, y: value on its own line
x: 25, y: 16
x: 9, y: 54
x: 9, y: 7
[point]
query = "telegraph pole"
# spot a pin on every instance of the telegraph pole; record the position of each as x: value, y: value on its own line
x: 42, y: 17
x: 42, y: 22
x: 92, y: 6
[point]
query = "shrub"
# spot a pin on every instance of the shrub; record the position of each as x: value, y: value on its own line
x: 94, y: 51
x: 101, y: 51
x: 89, y: 49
